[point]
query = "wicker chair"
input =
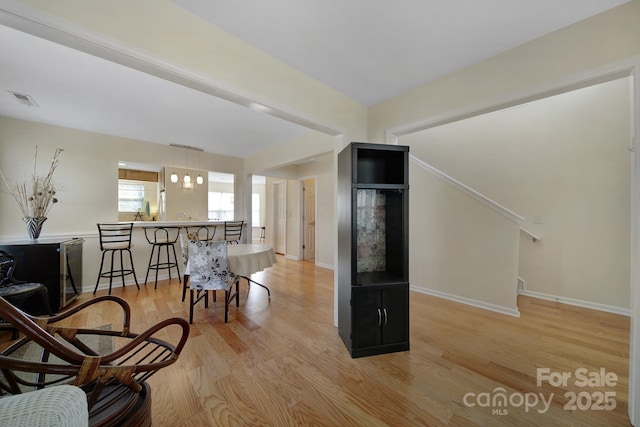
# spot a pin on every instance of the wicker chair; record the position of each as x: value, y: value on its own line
x: 114, y: 382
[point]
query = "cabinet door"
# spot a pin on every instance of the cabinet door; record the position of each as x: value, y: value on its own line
x: 395, y: 310
x: 366, y: 317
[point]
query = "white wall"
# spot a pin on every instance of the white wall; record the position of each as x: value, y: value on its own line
x: 322, y: 170
x: 87, y: 178
x: 461, y: 249
x: 565, y: 159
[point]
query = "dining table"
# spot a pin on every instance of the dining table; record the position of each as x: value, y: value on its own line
x: 244, y: 259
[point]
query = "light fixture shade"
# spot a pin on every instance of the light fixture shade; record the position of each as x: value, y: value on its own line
x: 174, y: 177
x: 187, y: 179
x: 199, y: 179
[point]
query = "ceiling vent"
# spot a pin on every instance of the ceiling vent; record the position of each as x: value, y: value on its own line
x: 24, y: 99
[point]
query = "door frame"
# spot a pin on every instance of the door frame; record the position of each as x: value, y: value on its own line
x: 275, y: 216
x: 315, y: 208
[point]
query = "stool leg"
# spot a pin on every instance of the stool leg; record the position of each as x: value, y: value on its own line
x: 133, y: 271
x: 157, y: 265
x: 166, y: 247
x: 175, y: 258
x: 122, y: 267
x: 153, y: 247
x: 99, y: 272
x: 111, y: 271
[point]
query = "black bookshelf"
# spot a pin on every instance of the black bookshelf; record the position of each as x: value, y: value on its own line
x: 373, y: 248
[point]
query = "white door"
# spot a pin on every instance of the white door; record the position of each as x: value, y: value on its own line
x: 309, y: 219
x: 280, y: 217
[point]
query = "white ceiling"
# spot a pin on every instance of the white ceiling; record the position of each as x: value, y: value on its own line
x: 369, y: 50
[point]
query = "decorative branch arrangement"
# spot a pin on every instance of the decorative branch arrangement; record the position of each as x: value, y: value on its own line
x: 35, y: 196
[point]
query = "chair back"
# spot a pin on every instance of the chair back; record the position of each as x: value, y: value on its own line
x: 202, y: 232
x: 233, y: 231
x: 7, y: 265
x: 161, y: 235
x: 208, y: 265
x: 115, y: 236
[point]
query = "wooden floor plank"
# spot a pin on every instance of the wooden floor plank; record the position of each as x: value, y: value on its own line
x: 280, y: 361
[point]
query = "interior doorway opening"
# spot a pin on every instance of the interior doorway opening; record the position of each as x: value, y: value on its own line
x: 308, y: 220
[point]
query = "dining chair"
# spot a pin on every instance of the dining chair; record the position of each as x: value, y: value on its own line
x: 184, y: 246
x: 184, y: 239
x: 233, y: 231
x: 207, y: 270
x: 116, y: 238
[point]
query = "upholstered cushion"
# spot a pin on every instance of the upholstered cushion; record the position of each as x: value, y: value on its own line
x: 116, y: 245
x: 208, y: 265
x: 63, y: 405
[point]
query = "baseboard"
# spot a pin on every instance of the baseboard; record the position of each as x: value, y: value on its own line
x: 468, y: 301
x: 117, y: 282
x: 577, y: 302
x: 293, y: 257
x: 323, y: 265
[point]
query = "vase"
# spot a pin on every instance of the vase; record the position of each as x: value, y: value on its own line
x: 34, y: 225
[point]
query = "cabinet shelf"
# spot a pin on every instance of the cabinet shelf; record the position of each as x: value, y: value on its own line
x: 369, y: 278
x: 379, y: 164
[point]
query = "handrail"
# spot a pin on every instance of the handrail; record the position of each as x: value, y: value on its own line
x: 533, y: 236
x: 468, y: 190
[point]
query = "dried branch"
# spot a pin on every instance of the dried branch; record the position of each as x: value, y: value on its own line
x: 35, y: 198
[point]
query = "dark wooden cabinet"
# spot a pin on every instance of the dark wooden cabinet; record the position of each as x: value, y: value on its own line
x: 57, y: 263
x: 373, y: 248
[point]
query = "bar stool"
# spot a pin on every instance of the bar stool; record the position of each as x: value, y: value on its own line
x: 160, y: 237
x: 233, y: 231
x: 115, y: 238
x: 201, y: 232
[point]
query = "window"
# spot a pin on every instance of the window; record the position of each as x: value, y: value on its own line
x: 220, y: 206
x: 130, y: 197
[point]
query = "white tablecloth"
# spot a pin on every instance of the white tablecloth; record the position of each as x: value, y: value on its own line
x: 246, y: 259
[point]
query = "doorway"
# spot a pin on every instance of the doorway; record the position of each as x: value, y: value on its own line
x: 308, y: 219
x: 280, y: 217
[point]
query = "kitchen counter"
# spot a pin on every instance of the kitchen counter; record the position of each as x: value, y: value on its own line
x: 190, y: 223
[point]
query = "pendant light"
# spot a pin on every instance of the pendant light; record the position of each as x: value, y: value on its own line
x: 187, y: 178
x: 199, y: 179
x: 174, y: 175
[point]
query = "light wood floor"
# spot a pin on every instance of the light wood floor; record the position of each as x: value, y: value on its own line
x: 282, y: 363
